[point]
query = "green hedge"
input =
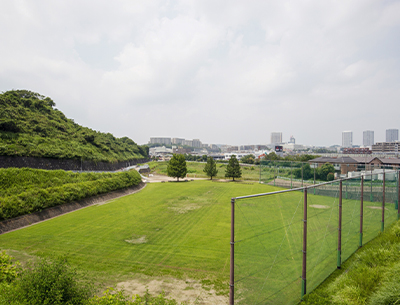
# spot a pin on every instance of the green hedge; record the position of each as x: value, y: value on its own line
x: 35, y: 199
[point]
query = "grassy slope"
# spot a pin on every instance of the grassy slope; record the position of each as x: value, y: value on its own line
x: 30, y: 126
x: 371, y: 276
x: 26, y: 190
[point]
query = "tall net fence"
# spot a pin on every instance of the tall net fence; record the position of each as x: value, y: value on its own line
x: 288, y: 242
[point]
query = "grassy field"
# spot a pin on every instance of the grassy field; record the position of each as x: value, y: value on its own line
x: 168, y: 229
x: 182, y: 231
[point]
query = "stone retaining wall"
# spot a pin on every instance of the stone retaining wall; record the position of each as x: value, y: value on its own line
x: 65, y: 164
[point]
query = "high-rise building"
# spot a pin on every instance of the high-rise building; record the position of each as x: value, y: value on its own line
x: 347, y: 139
x: 276, y: 137
x: 292, y: 140
x: 368, y: 138
x: 392, y: 135
x: 166, y: 141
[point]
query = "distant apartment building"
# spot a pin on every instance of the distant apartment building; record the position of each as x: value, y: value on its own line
x: 166, y: 141
x: 368, y: 138
x: 347, y: 139
x: 386, y: 147
x: 177, y: 141
x: 276, y: 137
x: 392, y: 135
x: 292, y: 140
x: 196, y: 143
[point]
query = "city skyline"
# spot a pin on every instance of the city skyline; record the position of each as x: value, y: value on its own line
x: 366, y: 135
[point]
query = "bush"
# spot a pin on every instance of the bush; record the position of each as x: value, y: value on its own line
x: 8, y: 269
x: 330, y: 177
x: 36, y: 198
x: 52, y: 282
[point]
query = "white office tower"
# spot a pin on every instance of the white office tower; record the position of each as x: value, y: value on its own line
x: 368, y: 138
x: 347, y: 139
x: 392, y: 135
x: 276, y: 137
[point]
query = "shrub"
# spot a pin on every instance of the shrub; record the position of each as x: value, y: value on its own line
x: 52, y: 282
x: 8, y: 269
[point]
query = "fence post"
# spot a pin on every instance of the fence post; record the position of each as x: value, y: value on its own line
x: 339, y: 254
x: 383, y: 204
x: 371, y: 196
x: 398, y: 195
x: 260, y: 173
x: 314, y: 176
x: 302, y: 174
x: 361, y: 211
x: 232, y: 271
x: 291, y: 175
x: 304, y: 269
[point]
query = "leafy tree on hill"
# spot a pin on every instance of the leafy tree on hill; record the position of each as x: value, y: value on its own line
x: 233, y: 168
x: 210, y: 168
x: 177, y: 166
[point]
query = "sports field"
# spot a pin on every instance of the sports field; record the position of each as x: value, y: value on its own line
x: 178, y: 230
x: 182, y: 231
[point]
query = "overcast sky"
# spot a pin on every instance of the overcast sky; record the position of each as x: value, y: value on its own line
x: 228, y: 72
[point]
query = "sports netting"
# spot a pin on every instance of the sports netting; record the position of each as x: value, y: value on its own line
x: 268, y: 241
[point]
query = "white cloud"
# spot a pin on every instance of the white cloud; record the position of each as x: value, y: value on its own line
x: 224, y: 72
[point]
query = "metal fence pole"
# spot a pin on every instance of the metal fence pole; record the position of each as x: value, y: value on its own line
x: 383, y: 204
x: 398, y: 195
x: 304, y: 269
x: 301, y: 174
x: 232, y: 271
x: 339, y: 254
x: 314, y: 176
x: 371, y: 196
x: 291, y: 176
x: 260, y: 173
x: 361, y: 211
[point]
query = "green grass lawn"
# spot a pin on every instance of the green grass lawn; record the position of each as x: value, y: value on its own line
x: 168, y: 229
x: 182, y: 230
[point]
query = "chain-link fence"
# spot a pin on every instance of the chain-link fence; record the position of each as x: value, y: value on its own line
x: 285, y: 243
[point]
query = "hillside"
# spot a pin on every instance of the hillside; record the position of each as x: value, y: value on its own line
x: 31, y: 126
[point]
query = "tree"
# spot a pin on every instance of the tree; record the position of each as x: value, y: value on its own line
x: 210, y: 168
x: 233, y: 168
x: 177, y: 166
x: 249, y: 159
x: 324, y: 170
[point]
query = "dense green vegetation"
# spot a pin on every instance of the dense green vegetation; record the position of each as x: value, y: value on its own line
x: 57, y: 282
x: 31, y: 126
x: 23, y: 191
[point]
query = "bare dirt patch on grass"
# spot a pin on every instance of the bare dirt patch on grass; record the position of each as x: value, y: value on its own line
x: 319, y: 206
x: 189, y: 291
x: 184, y: 209
x: 137, y: 240
x: 376, y: 208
